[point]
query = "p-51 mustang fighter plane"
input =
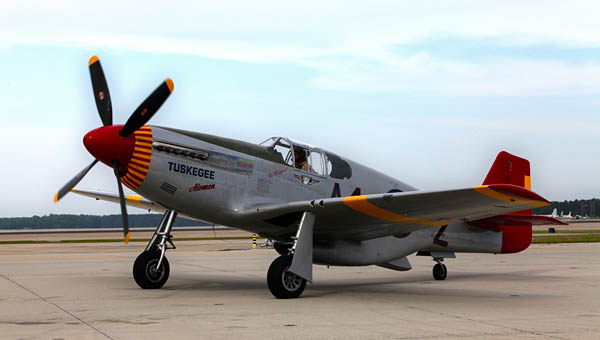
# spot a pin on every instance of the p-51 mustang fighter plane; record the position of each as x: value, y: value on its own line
x: 318, y: 207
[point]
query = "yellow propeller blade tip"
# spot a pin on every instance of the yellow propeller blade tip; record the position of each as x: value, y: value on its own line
x: 92, y: 60
x: 127, y: 238
x: 56, y: 197
x: 170, y: 84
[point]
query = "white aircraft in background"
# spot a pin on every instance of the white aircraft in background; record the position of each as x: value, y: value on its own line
x: 554, y: 213
x: 566, y: 216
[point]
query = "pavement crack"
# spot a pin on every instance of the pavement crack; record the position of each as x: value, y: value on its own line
x: 55, y: 305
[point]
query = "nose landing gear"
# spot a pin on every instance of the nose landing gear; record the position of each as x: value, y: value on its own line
x: 147, y: 271
x: 151, y: 268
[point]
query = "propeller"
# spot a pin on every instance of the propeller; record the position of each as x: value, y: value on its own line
x: 100, y: 88
x: 108, y: 146
x: 122, y: 200
x: 73, y: 182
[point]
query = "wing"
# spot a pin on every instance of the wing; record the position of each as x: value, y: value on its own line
x: 370, y: 216
x: 131, y: 200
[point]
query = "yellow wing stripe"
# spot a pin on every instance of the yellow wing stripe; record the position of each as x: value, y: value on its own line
x: 485, y: 190
x: 360, y: 204
x: 133, y: 198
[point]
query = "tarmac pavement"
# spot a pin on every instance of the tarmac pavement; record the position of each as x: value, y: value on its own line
x: 217, y: 290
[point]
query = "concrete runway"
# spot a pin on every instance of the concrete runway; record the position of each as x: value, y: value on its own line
x: 217, y: 290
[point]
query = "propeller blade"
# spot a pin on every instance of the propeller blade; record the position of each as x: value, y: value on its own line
x: 73, y: 182
x: 148, y: 108
x: 123, y: 204
x: 101, y: 94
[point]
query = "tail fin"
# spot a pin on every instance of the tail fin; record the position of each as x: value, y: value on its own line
x: 510, y: 169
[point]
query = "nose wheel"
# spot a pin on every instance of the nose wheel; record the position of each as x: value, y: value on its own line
x: 149, y: 272
x: 282, y: 283
x: 440, y: 271
x: 151, y: 268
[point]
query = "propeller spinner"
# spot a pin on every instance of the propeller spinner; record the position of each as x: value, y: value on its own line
x: 111, y: 144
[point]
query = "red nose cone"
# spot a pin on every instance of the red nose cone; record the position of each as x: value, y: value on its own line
x: 107, y: 145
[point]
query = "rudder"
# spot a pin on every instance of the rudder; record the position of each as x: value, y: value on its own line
x: 510, y: 169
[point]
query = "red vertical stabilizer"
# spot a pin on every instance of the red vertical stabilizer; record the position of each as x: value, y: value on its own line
x: 510, y: 169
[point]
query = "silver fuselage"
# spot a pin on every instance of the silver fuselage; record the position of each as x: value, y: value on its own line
x: 236, y: 177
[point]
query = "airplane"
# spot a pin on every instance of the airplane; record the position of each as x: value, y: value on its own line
x: 566, y: 216
x: 554, y: 213
x: 318, y: 207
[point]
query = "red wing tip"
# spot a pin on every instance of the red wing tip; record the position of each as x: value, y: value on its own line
x: 93, y: 59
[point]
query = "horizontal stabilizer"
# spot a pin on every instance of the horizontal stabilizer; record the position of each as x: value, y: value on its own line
x: 495, y: 222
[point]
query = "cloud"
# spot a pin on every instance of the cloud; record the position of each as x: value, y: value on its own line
x: 352, y: 48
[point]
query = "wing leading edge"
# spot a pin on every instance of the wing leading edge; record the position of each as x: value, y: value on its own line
x: 136, y: 201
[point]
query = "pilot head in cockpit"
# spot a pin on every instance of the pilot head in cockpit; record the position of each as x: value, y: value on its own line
x: 300, y: 156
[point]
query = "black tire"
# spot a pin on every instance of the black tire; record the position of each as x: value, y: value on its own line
x: 282, y: 283
x: 145, y: 275
x: 282, y: 248
x: 440, y: 271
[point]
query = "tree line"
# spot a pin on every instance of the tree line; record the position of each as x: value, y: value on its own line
x: 59, y: 221
x: 590, y: 208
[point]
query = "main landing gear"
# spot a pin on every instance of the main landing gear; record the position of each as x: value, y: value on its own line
x: 288, y: 274
x: 282, y: 283
x: 439, y: 270
x: 151, y: 268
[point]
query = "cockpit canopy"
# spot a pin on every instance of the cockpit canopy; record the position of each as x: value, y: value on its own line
x: 308, y: 158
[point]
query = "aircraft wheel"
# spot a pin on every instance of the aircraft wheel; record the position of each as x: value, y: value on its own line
x: 146, y: 274
x: 282, y: 283
x: 439, y: 271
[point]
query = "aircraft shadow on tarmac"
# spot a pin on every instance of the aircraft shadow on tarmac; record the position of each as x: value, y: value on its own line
x: 417, y: 285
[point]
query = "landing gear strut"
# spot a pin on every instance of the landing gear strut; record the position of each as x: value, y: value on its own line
x: 282, y: 248
x: 151, y: 268
x: 439, y: 270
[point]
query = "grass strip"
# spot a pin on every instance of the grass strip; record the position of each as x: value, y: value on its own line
x: 566, y: 231
x: 120, y: 240
x: 566, y: 238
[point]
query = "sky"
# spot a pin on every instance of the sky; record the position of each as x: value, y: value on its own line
x: 428, y: 92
